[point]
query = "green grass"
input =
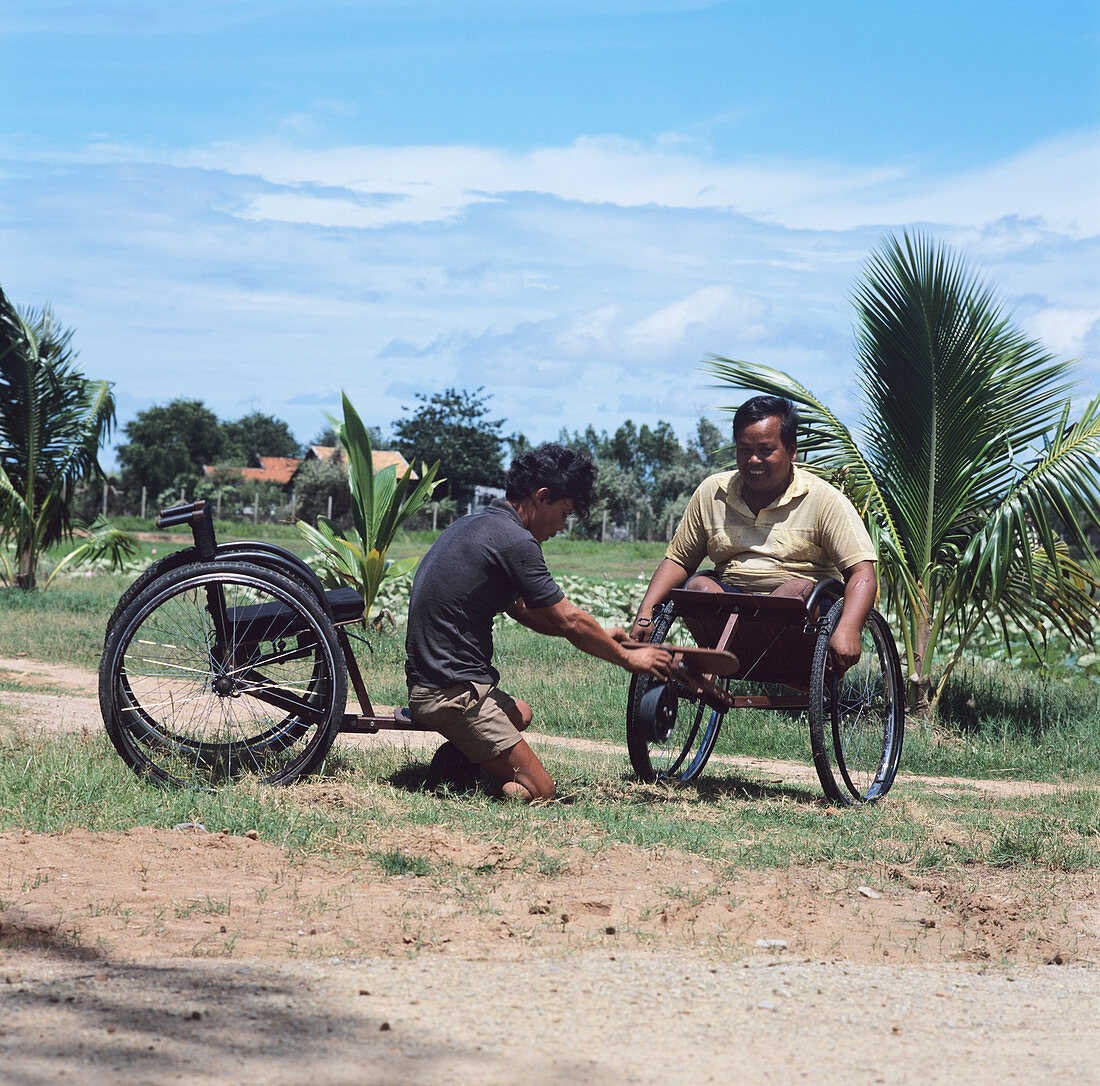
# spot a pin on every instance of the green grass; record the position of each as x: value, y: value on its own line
x: 730, y: 820
x: 1019, y: 726
x: 1009, y: 725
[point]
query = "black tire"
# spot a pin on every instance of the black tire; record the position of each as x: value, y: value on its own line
x: 217, y: 672
x: 686, y: 728
x: 857, y: 722
x: 158, y: 568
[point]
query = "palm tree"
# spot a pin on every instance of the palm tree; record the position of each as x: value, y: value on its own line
x: 967, y: 459
x: 52, y: 420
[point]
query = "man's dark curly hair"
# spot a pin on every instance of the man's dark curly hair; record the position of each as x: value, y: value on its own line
x: 766, y: 407
x: 565, y: 472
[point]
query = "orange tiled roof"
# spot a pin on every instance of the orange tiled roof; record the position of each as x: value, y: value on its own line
x: 382, y: 458
x: 275, y: 469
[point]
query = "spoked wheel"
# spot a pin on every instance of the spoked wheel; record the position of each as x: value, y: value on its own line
x: 218, y: 672
x: 857, y: 721
x: 670, y: 732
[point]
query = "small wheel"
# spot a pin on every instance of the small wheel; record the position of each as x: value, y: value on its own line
x: 670, y: 732
x: 857, y: 721
x: 217, y: 672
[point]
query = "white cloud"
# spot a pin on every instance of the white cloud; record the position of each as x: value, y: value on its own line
x: 1065, y: 330
x: 711, y: 314
x: 1056, y: 183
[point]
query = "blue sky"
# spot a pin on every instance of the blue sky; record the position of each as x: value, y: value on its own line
x: 259, y: 202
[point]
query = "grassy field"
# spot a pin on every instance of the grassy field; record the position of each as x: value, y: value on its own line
x: 1010, y: 726
x: 728, y: 818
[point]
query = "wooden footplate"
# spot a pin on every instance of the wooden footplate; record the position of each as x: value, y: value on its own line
x: 695, y: 669
x: 383, y: 719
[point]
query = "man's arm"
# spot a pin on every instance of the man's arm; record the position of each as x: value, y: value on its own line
x: 565, y: 619
x: 667, y: 576
x: 860, y: 589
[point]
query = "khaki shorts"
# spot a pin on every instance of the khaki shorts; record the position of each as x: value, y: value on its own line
x: 473, y: 716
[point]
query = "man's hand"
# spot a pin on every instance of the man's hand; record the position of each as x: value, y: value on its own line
x: 843, y: 649
x: 653, y: 660
x: 860, y: 587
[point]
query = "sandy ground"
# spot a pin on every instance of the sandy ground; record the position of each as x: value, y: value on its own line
x: 191, y: 955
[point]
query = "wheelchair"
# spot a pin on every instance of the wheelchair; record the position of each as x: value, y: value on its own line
x: 768, y: 652
x: 226, y: 662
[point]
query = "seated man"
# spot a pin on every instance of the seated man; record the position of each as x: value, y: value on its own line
x: 770, y: 527
x: 484, y: 564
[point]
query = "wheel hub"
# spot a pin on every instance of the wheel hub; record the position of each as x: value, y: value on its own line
x: 223, y: 686
x: 658, y: 711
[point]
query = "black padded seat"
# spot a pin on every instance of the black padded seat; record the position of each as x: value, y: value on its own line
x: 346, y: 605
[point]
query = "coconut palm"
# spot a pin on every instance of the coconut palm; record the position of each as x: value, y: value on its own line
x: 380, y: 503
x: 967, y: 460
x: 52, y: 421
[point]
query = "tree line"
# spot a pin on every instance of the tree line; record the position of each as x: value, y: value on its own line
x: 646, y: 473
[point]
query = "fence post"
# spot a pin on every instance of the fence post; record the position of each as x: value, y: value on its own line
x: 256, y: 508
x: 330, y: 507
x: 105, y: 486
x: 143, y: 495
x: 219, y: 503
x: 435, y: 514
x: 603, y: 528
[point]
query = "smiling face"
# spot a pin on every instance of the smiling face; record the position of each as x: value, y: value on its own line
x: 764, y: 461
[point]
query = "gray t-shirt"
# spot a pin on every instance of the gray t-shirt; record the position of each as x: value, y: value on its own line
x: 477, y: 568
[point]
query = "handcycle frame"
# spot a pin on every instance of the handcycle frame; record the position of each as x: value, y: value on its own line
x: 856, y: 719
x: 232, y: 658
x: 344, y: 605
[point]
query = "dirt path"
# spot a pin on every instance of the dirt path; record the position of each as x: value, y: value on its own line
x: 188, y: 956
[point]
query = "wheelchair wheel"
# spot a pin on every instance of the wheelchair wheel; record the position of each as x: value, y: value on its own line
x: 156, y: 569
x: 857, y: 721
x: 219, y: 672
x: 670, y: 733
x: 235, y: 550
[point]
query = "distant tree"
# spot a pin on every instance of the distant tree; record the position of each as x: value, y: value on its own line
x: 52, y: 422
x: 326, y: 438
x: 169, y: 444
x: 329, y: 437
x: 255, y: 435
x: 708, y: 446
x: 316, y: 482
x: 452, y: 427
x: 517, y: 444
x: 658, y: 450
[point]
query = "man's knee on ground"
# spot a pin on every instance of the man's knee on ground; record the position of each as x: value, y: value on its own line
x: 522, y: 774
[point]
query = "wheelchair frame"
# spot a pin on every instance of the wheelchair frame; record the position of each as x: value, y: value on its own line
x: 856, y: 720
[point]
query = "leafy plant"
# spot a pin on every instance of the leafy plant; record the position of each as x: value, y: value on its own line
x: 969, y: 463
x: 380, y: 504
x: 52, y: 421
x: 102, y: 543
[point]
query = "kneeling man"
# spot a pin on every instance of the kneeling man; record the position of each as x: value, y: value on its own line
x: 491, y: 562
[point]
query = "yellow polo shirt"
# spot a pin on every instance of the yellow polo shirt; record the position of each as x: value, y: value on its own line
x: 811, y: 530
